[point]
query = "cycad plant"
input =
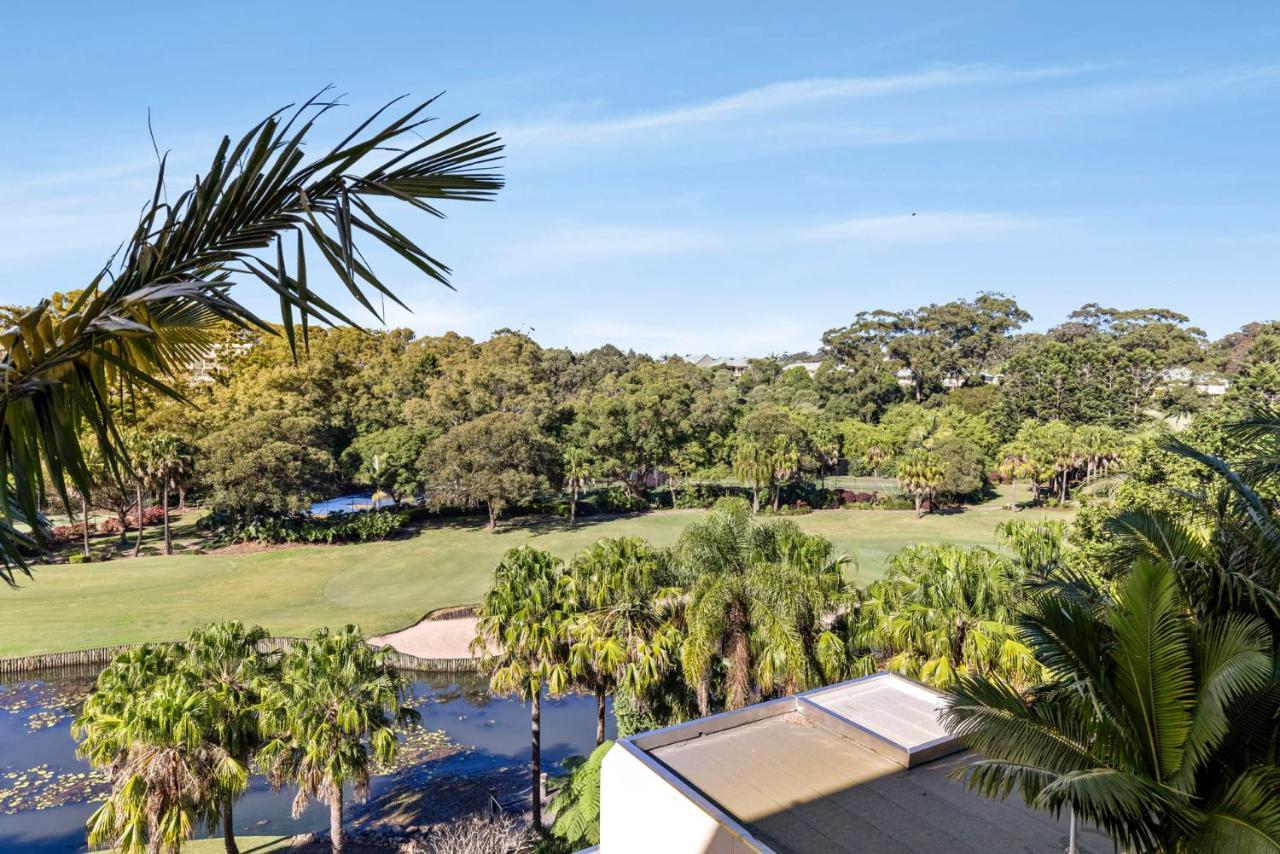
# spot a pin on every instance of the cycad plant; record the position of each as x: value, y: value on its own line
x: 576, y: 805
x: 522, y: 633
x: 255, y: 214
x: 329, y: 717
x: 1156, y: 726
x: 624, y: 636
x: 759, y: 606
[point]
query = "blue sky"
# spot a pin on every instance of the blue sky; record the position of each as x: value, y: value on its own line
x: 722, y: 177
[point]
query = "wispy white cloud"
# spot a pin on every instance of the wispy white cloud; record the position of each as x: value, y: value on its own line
x: 785, y: 95
x: 571, y: 245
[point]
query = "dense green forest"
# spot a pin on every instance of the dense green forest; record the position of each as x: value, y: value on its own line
x: 934, y: 403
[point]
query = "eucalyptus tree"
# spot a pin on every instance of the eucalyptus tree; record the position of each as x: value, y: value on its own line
x: 1155, y: 725
x: 329, y: 717
x: 758, y: 606
x: 522, y: 636
x: 625, y: 635
x: 153, y: 308
x: 920, y: 474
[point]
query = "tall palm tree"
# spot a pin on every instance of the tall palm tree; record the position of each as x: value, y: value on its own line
x: 154, y: 730
x: 624, y: 635
x: 758, y: 604
x: 329, y: 717
x: 224, y: 661
x: 153, y: 307
x: 1158, y: 727
x: 873, y: 456
x: 522, y: 632
x: 160, y: 458
x: 920, y: 474
x: 577, y: 471
x: 943, y: 611
x: 753, y: 464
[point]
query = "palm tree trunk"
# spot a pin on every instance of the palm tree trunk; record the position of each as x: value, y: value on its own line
x: 919, y: 505
x: 84, y: 512
x: 1064, y: 486
x: 336, y: 839
x: 755, y: 497
x: 493, y: 516
x: 777, y: 494
x: 600, y: 698
x: 1013, y: 493
x: 137, y: 544
x: 535, y: 733
x: 573, y: 505
x: 168, y: 539
x: 228, y: 828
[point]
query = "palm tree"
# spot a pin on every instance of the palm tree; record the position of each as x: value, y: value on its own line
x: 758, y: 603
x: 577, y: 471
x: 1158, y: 727
x: 920, y: 474
x: 942, y: 612
x: 874, y: 456
x: 161, y: 459
x: 624, y: 635
x: 153, y: 307
x: 1015, y: 463
x: 522, y: 634
x: 155, y: 730
x: 329, y: 717
x: 753, y: 464
x: 224, y: 661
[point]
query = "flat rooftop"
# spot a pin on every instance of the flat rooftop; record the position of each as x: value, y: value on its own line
x: 862, y: 766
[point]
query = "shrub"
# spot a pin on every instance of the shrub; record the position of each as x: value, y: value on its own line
x: 301, y: 528
x: 152, y: 516
x: 615, y: 499
x: 66, y: 533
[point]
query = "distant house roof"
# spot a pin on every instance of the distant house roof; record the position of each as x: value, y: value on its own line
x: 860, y: 766
x: 708, y: 361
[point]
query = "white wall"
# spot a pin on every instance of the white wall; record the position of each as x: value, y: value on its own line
x: 642, y: 812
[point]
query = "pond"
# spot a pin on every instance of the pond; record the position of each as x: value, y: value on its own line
x: 468, y: 745
x: 349, y: 504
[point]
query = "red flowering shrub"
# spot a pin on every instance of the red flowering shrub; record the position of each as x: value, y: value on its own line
x: 151, y: 516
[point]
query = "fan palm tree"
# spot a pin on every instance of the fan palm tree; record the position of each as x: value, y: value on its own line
x: 577, y: 471
x: 624, y: 635
x: 153, y: 307
x: 1158, y: 727
x: 758, y: 604
x: 920, y: 474
x: 329, y: 717
x: 873, y: 456
x: 943, y: 611
x: 161, y: 458
x: 224, y: 661
x: 753, y: 464
x: 155, y: 731
x: 522, y: 632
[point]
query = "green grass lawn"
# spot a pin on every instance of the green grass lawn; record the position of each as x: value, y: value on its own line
x: 381, y: 586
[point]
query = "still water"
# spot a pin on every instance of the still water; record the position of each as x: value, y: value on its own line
x: 469, y: 744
